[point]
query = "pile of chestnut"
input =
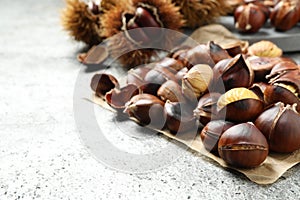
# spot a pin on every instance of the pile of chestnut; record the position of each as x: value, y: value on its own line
x: 241, y: 105
x: 250, y: 16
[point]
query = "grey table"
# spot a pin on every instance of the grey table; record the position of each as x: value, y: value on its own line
x: 41, y: 153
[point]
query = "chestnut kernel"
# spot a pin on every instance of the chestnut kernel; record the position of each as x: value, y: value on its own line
x: 243, y: 145
x: 195, y: 83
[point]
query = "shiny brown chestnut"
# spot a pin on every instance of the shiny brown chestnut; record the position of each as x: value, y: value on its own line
x: 206, y: 109
x: 249, y: 18
x: 172, y: 64
x: 243, y: 146
x: 259, y: 89
x: 155, y: 78
x: 117, y: 98
x: 144, y: 16
x: 195, y: 83
x: 240, y: 105
x: 285, y: 15
x: 171, y: 91
x: 282, y: 68
x: 212, y: 132
x: 147, y: 109
x: 136, y: 76
x: 231, y: 73
x: 179, y: 117
x: 281, y: 126
x: 102, y: 83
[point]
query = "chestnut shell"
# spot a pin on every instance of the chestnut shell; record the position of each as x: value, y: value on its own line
x: 243, y: 145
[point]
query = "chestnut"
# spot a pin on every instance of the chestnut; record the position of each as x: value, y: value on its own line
x: 172, y: 64
x: 179, y: 117
x: 117, y: 98
x: 212, y: 132
x: 102, y: 83
x: 206, y: 109
x: 240, y: 105
x: 155, y: 78
x: 243, y: 146
x: 180, y: 74
x: 171, y: 91
x: 249, y: 18
x: 147, y: 109
x: 259, y: 89
x: 195, y: 83
x: 231, y: 73
x: 285, y: 15
x: 281, y: 126
x: 282, y: 68
x: 136, y: 76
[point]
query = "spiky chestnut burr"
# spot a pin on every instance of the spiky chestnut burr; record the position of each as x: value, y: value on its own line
x: 198, y: 13
x: 82, y: 20
x: 139, y: 14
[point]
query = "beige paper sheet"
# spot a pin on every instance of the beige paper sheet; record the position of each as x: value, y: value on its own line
x: 274, y: 166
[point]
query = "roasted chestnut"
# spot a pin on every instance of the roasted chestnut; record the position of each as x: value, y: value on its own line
x: 147, y: 109
x: 179, y: 117
x: 195, y: 83
x: 217, y: 53
x: 206, y: 109
x: 281, y: 126
x: 117, y: 98
x: 249, y: 18
x: 102, y: 83
x: 285, y: 15
x: 240, y: 105
x: 259, y: 89
x: 171, y: 91
x: 136, y: 76
x: 231, y: 73
x: 155, y: 78
x: 243, y: 145
x: 212, y: 132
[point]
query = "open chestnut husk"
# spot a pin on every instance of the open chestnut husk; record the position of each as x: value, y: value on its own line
x: 240, y: 105
x: 102, y: 83
x: 231, y: 73
x: 206, y: 109
x: 117, y: 98
x: 179, y: 117
x: 147, y: 109
x: 281, y: 126
x: 212, y: 132
x: 243, y: 145
x: 217, y: 53
x: 195, y: 83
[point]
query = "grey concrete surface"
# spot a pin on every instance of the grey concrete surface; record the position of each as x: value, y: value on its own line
x: 41, y: 154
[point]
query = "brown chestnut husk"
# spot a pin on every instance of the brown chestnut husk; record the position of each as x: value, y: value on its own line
x: 281, y: 126
x: 102, y: 83
x: 179, y: 117
x: 217, y: 53
x: 231, y: 73
x: 117, y: 98
x: 147, y: 109
x: 243, y: 146
x: 206, y: 109
x: 240, y: 105
x: 212, y: 132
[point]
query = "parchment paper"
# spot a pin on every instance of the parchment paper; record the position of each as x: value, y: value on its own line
x: 267, y: 173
